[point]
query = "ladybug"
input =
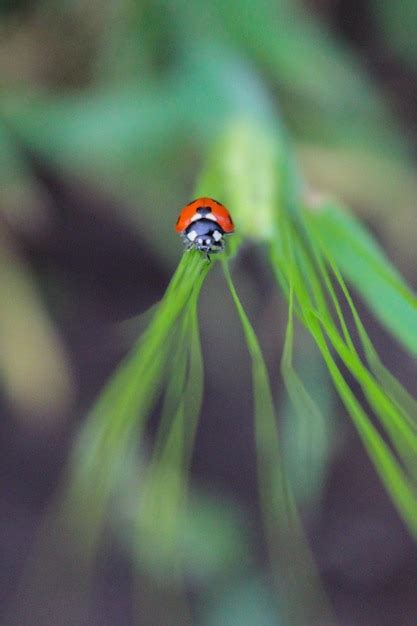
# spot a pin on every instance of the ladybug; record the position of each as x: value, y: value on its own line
x: 203, y: 223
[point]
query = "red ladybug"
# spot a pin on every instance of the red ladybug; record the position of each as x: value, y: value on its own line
x: 203, y: 223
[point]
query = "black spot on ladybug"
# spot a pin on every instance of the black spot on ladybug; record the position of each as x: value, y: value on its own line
x: 203, y: 210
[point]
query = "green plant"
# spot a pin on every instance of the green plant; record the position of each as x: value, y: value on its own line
x: 218, y: 99
x: 309, y: 248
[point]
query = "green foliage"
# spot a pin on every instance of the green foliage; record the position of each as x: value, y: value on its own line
x: 167, y: 365
x: 219, y: 93
x: 247, y: 604
x: 308, y: 281
x: 364, y: 264
x: 123, y: 408
x: 156, y: 90
x: 300, y: 592
x: 398, y: 23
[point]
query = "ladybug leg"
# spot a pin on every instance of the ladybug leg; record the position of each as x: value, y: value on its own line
x: 208, y: 257
x: 188, y: 245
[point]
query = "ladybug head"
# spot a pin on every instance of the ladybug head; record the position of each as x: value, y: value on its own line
x: 205, y: 235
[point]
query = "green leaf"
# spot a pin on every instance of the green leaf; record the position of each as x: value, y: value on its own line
x: 299, y: 587
x: 309, y: 422
x: 398, y: 23
x: 365, y: 265
x: 325, y: 95
x: 247, y: 604
x: 123, y: 407
x: 306, y: 276
x: 402, y: 491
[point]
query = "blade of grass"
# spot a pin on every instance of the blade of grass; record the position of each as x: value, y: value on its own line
x: 121, y: 411
x: 388, y: 403
x: 161, y: 552
x: 308, y: 446
x: 402, y: 436
x: 396, y: 482
x: 396, y: 391
x: 292, y: 563
x: 365, y: 265
x: 402, y: 492
x: 163, y: 500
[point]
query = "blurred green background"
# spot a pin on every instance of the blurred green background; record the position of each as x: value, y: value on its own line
x: 108, y: 111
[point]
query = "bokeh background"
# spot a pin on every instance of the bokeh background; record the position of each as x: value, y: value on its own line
x: 108, y: 110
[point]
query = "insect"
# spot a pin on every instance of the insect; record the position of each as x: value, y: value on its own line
x: 203, y: 224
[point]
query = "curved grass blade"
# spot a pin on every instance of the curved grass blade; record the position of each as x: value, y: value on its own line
x: 302, y: 272
x: 301, y: 596
x: 161, y: 552
x: 393, y: 387
x: 403, y: 493
x: 307, y: 437
x: 112, y: 432
x: 392, y: 404
x: 118, y: 418
x: 363, y: 262
x: 399, y: 427
x: 163, y: 499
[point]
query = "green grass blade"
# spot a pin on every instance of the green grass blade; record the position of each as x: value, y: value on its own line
x: 365, y: 265
x: 163, y: 501
x: 306, y: 271
x: 401, y: 490
x: 119, y: 415
x: 390, y: 401
x: 389, y: 383
x: 307, y: 435
x: 290, y: 556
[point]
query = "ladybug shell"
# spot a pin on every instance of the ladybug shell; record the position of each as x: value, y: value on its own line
x: 205, y: 208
